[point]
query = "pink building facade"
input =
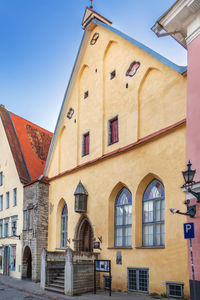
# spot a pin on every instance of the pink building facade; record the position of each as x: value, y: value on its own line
x: 182, y: 22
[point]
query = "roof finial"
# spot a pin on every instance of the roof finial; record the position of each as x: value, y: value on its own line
x: 91, y: 4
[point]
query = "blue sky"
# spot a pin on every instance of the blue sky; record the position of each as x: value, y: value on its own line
x: 39, y: 40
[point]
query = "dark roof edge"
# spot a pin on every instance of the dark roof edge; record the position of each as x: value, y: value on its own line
x: 164, y: 60
x: 14, y: 145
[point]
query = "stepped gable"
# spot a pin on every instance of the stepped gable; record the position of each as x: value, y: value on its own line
x: 34, y: 142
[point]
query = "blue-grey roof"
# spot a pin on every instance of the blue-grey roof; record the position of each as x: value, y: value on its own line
x: 164, y: 60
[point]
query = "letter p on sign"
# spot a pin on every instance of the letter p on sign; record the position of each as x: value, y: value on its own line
x: 189, y: 230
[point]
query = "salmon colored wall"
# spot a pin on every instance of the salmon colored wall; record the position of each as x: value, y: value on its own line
x: 193, y: 106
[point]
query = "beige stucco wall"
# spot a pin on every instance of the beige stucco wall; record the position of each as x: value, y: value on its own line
x: 155, y: 98
x: 10, y: 182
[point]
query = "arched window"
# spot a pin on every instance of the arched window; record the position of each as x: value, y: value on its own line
x: 123, y: 218
x: 154, y: 214
x: 64, y: 223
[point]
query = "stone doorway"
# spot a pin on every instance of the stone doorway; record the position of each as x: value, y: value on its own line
x: 27, y: 263
x: 84, y: 235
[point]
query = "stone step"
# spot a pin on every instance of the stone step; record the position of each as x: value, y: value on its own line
x: 55, y: 290
x: 56, y: 285
x: 59, y: 278
x: 59, y: 281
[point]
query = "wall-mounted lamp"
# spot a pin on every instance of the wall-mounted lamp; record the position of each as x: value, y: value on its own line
x: 188, y: 176
x: 14, y: 231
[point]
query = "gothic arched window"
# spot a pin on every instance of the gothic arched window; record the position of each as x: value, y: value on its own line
x: 154, y: 214
x: 64, y: 224
x: 123, y: 218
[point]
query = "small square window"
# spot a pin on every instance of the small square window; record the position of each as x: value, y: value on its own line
x: 7, y: 200
x: 86, y: 144
x: 112, y: 75
x: 175, y: 289
x: 113, y: 131
x: 1, y: 178
x: 14, y: 197
x: 86, y: 94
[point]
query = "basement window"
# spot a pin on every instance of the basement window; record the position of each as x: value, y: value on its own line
x: 112, y: 75
x: 138, y: 280
x: 107, y: 282
x: 175, y: 289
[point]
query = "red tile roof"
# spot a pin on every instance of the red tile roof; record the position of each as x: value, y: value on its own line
x: 29, y: 144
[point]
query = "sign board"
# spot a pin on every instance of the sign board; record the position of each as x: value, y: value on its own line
x: 189, y: 230
x: 102, y: 266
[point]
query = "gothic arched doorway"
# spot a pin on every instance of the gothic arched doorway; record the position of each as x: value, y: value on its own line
x: 84, y: 235
x: 27, y: 263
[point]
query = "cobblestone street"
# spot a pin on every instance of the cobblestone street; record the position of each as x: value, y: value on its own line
x: 13, y: 294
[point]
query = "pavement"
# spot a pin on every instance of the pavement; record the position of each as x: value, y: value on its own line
x: 33, y: 288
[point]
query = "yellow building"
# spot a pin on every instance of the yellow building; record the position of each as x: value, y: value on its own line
x: 121, y: 132
x: 22, y: 159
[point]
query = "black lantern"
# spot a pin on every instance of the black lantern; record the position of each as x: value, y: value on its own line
x: 80, y: 198
x: 189, y: 174
x: 14, y: 229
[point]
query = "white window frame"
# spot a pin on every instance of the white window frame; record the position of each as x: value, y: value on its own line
x: 1, y: 202
x: 12, y: 259
x: 14, y: 196
x: 1, y: 178
x: 7, y: 199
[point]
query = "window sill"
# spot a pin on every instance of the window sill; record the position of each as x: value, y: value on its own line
x: 123, y: 248
x: 85, y: 154
x: 150, y: 247
x: 111, y: 143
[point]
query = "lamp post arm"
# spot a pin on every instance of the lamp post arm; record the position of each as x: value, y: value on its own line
x: 197, y: 195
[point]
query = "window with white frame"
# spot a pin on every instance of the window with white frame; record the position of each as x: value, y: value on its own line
x: 175, y: 289
x: 154, y: 215
x: 123, y: 218
x: 1, y: 178
x: 1, y: 202
x: 14, y: 225
x: 138, y: 280
x: 13, y: 257
x: 6, y: 228
x: 64, y: 225
x: 1, y: 261
x: 7, y: 200
x: 1, y: 228
x: 14, y: 197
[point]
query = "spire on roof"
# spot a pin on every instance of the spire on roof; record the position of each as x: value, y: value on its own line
x: 91, y: 4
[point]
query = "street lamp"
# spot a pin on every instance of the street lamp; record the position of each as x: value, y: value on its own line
x: 188, y: 176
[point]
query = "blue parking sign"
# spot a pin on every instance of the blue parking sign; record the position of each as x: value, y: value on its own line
x: 189, y: 230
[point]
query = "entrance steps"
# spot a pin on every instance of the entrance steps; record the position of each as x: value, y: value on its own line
x: 57, y: 283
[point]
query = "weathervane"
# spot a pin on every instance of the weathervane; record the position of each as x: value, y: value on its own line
x: 91, y: 4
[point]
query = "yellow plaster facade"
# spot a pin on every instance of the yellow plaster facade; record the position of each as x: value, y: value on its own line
x: 151, y: 108
x: 10, y: 182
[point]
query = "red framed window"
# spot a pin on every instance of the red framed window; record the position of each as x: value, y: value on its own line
x: 86, y: 144
x: 113, y: 131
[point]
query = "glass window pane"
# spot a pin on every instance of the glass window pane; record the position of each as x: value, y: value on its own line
x: 124, y: 197
x: 127, y: 214
x: 148, y: 211
x: 148, y: 235
x: 157, y: 210
x: 118, y: 239
x: 127, y: 236
x: 154, y: 190
x: 162, y: 210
